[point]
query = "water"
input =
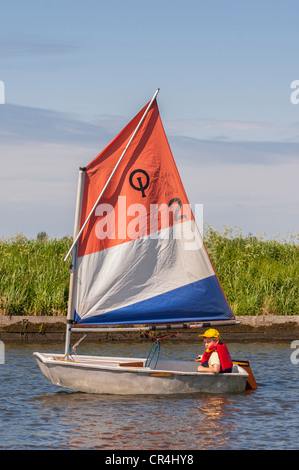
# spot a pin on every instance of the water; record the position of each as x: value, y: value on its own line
x: 34, y: 414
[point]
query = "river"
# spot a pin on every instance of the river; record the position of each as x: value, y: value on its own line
x: 37, y: 415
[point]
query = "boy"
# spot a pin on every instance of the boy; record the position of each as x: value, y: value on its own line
x: 216, y: 357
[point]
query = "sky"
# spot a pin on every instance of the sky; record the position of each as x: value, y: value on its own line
x: 73, y: 73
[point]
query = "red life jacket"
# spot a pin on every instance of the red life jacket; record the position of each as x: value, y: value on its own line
x: 224, y: 357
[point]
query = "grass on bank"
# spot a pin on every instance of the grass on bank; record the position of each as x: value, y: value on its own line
x: 258, y: 276
x: 34, y: 279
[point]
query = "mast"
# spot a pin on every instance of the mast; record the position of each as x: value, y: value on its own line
x: 70, y: 313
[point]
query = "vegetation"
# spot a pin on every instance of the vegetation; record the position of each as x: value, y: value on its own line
x: 258, y: 276
x: 34, y: 279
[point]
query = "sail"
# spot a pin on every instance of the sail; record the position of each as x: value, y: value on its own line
x: 140, y: 257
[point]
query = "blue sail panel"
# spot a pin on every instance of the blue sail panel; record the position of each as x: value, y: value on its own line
x: 199, y: 301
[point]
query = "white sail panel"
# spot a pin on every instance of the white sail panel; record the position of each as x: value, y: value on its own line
x: 150, y: 266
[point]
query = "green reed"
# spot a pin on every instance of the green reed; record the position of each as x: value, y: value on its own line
x: 258, y: 276
x: 33, y: 276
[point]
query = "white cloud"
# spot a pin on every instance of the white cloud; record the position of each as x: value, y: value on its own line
x: 257, y: 198
x: 232, y: 130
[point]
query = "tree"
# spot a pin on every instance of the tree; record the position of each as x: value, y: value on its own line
x: 42, y: 237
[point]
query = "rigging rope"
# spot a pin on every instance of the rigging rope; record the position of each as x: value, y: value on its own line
x: 155, y: 347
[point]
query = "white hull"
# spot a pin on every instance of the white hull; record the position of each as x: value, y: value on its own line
x: 125, y: 376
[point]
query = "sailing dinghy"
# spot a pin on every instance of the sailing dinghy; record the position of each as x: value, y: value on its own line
x: 138, y: 262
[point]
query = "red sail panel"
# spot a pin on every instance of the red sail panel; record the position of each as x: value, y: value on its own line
x: 145, y: 195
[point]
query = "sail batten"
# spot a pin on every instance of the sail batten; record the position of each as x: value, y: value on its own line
x: 141, y: 258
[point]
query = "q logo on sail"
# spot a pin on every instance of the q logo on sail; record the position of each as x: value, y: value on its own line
x: 139, y: 186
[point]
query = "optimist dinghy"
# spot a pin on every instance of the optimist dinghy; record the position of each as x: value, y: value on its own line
x: 138, y: 262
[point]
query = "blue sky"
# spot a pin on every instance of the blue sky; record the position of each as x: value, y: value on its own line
x: 76, y: 71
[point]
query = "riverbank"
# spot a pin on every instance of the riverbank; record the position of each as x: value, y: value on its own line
x: 46, y: 329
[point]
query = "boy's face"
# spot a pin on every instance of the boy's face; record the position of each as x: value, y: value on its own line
x: 209, y: 341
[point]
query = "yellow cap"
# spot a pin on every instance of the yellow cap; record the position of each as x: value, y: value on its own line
x: 211, y: 333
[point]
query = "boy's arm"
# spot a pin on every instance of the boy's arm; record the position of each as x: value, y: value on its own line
x: 214, y: 369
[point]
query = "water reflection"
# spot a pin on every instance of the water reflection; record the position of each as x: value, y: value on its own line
x: 108, y: 422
